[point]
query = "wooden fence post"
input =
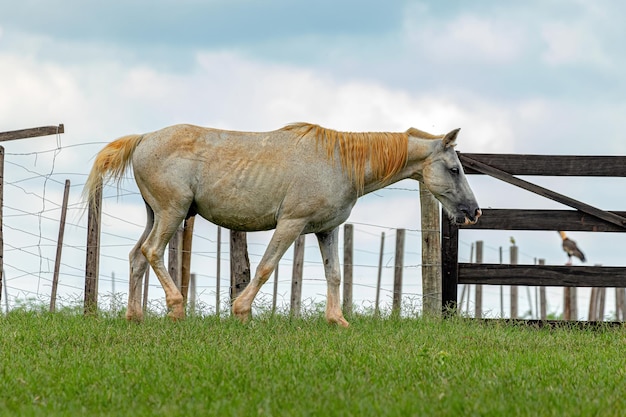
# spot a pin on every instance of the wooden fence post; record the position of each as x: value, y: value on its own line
x: 543, y: 313
x: 397, y: 276
x: 275, y: 289
x: 192, y: 293
x: 1, y: 228
x: 57, y: 260
x: 296, y: 277
x: 513, y: 256
x: 620, y: 304
x: 239, y: 263
x: 380, y: 272
x: 501, y: 287
x: 348, y: 251
x: 601, y: 303
x: 185, y: 267
x: 449, y: 265
x: 146, y: 283
x: 92, y: 262
x: 593, y: 305
x: 478, y: 301
x: 218, y: 271
x: 431, y: 253
x: 174, y: 263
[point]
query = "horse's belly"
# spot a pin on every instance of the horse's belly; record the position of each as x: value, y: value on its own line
x: 239, y: 209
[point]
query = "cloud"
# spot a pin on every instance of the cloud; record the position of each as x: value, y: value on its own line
x: 573, y: 44
x: 464, y: 37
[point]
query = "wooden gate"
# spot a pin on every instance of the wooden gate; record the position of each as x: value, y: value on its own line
x: 582, y: 217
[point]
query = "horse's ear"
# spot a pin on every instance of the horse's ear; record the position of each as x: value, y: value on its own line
x: 449, y: 140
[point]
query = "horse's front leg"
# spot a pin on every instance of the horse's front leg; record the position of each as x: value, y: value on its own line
x: 285, y: 234
x: 329, y: 248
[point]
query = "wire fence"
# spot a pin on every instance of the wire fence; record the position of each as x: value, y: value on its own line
x: 33, y: 190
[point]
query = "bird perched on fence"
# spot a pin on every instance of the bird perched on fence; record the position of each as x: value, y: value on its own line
x: 570, y: 247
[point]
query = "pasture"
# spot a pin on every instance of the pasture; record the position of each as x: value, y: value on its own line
x: 66, y: 364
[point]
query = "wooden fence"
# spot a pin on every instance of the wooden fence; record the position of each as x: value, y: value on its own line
x: 583, y: 218
x: 25, y: 134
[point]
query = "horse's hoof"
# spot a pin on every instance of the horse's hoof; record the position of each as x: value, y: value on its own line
x: 134, y: 317
x: 243, y: 314
x: 177, y: 313
x: 175, y: 317
x: 339, y: 321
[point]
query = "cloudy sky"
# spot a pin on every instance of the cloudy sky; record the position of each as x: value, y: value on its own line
x: 536, y: 77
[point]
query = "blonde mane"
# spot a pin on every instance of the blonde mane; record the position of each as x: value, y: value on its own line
x: 386, y: 152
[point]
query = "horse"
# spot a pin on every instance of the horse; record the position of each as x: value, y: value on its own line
x: 299, y: 179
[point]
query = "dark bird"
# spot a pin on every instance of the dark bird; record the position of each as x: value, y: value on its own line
x: 570, y: 247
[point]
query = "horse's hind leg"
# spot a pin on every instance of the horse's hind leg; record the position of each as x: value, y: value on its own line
x: 285, y: 234
x: 330, y: 255
x: 138, y: 265
x: 165, y: 224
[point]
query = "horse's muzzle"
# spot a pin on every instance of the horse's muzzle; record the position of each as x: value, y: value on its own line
x: 471, y: 215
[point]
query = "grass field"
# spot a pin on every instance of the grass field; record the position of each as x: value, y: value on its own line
x: 65, y: 364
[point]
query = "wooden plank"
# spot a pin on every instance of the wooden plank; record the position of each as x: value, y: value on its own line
x: 449, y: 265
x: 31, y: 133
x: 519, y: 219
x: 542, y: 275
x: 551, y: 165
x: 348, y: 252
x: 544, y: 192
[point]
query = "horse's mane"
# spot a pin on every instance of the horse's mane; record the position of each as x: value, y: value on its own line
x: 386, y: 152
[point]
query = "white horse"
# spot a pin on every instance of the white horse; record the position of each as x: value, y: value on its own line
x: 300, y: 179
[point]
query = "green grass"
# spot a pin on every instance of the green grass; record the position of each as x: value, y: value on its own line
x: 67, y: 365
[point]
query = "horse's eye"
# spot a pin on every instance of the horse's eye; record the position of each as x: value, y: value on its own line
x: 454, y: 170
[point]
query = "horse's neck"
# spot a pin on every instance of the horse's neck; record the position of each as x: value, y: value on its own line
x: 418, y: 153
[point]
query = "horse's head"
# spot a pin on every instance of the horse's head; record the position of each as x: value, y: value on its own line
x: 443, y: 175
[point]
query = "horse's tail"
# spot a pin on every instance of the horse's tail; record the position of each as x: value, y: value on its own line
x: 110, y: 164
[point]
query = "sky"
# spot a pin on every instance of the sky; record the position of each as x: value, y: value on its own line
x: 534, y: 77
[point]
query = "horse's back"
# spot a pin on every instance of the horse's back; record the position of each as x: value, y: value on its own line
x: 240, y: 180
